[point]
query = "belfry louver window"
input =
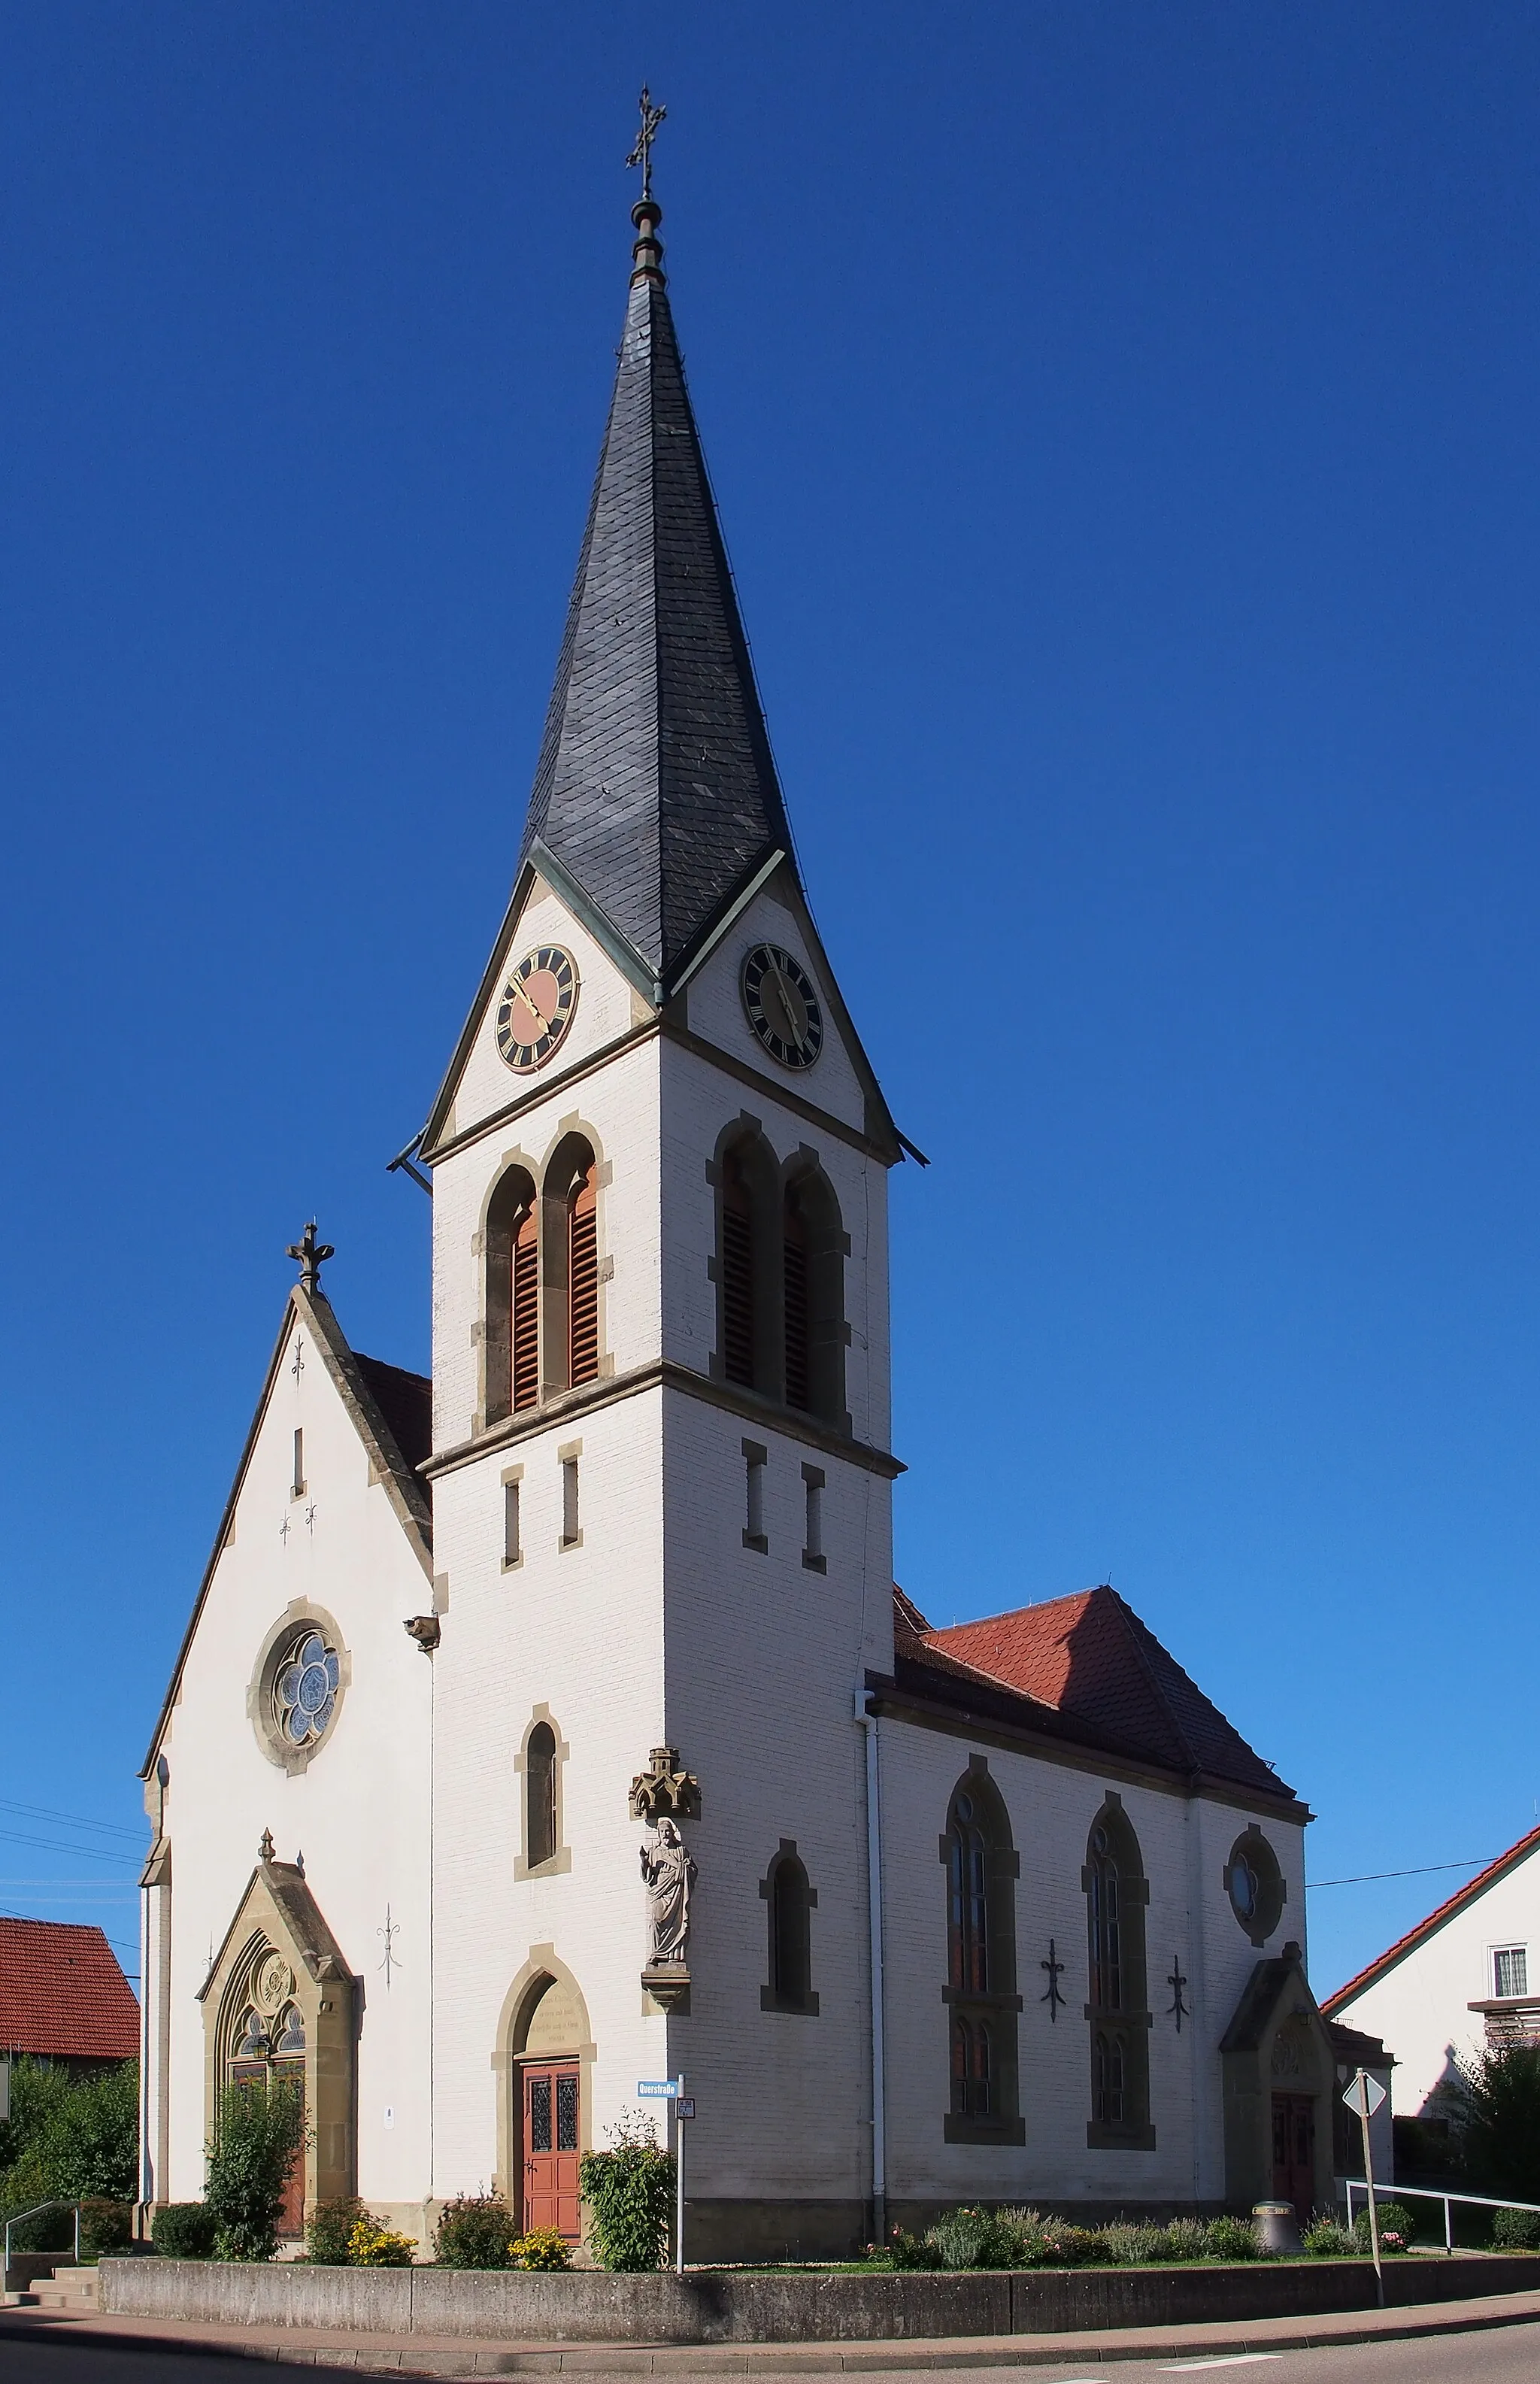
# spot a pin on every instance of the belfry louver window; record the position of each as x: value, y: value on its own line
x: 738, y: 1275
x: 526, y: 1318
x: 583, y: 1279
x: 794, y: 1260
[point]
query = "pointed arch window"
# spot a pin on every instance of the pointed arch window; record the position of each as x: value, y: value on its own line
x: 540, y: 1794
x: 738, y: 1273
x: 791, y: 1900
x: 794, y: 1275
x: 511, y: 1325
x: 980, y: 1992
x: 813, y: 1294
x: 1116, y: 1894
x: 526, y: 1318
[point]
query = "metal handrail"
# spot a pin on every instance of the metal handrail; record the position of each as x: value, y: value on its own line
x: 22, y: 2216
x: 1428, y: 2193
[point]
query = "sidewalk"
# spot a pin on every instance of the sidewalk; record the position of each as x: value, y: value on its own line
x: 462, y: 2355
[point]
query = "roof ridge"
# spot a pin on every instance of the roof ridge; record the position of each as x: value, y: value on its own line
x: 1137, y: 1632
x: 1519, y: 1852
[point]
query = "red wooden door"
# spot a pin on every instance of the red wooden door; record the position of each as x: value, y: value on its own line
x: 1294, y: 2150
x: 551, y: 2148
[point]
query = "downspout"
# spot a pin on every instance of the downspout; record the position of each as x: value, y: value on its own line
x: 866, y: 1714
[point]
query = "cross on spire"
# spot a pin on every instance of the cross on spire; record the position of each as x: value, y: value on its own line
x: 310, y: 1256
x: 642, y: 154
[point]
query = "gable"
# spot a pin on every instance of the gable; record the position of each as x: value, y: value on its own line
x: 614, y: 992
x: 1453, y: 1908
x: 315, y: 1384
x: 841, y: 1081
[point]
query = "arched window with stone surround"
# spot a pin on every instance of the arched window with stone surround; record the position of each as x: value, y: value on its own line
x: 746, y: 1266
x: 540, y: 1794
x: 571, y: 1339
x: 981, y: 1867
x: 511, y: 1324
x: 1117, y: 2012
x: 790, y: 1900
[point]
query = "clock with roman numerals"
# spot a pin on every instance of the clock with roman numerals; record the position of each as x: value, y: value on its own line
x: 782, y: 1005
x: 536, y: 1009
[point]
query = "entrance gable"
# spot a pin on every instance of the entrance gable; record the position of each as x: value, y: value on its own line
x: 1279, y: 2070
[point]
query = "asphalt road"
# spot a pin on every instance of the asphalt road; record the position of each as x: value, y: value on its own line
x: 1507, y: 2354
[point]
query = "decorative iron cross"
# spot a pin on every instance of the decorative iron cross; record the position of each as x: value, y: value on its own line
x: 642, y: 154
x: 297, y: 1368
x: 1053, y: 1997
x: 1176, y: 2008
x: 310, y: 1256
x: 391, y: 1932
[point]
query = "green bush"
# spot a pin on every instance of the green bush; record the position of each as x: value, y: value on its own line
x: 474, y: 2232
x: 1502, y: 2121
x: 1130, y: 2245
x: 543, y: 2248
x: 972, y: 2239
x: 184, y: 2230
x: 1184, y: 2239
x: 104, y: 2227
x: 370, y: 2245
x: 70, y: 2139
x: 1065, y: 2246
x: 1326, y: 2238
x: 260, y: 2135
x: 1232, y: 2239
x: 327, y: 2228
x: 1396, y: 2226
x: 902, y: 2251
x: 1516, y: 2230
x: 629, y: 2191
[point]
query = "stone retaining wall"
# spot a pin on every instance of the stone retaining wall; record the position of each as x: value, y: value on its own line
x: 728, y: 2306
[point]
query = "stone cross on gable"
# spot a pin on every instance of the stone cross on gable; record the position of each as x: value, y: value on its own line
x: 310, y: 1256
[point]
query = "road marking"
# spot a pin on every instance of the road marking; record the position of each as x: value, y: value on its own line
x: 1240, y: 2359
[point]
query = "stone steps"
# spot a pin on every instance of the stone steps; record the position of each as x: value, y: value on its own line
x: 77, y: 2290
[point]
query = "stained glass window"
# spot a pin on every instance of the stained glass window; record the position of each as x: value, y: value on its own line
x: 304, y: 1692
x: 540, y: 2114
x: 292, y: 2035
x: 566, y: 2115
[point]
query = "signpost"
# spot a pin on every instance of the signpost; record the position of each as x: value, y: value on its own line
x: 1364, y: 2097
x: 672, y: 2090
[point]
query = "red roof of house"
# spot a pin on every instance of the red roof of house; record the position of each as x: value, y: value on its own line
x: 1089, y: 1655
x: 1527, y: 1844
x: 63, y: 1993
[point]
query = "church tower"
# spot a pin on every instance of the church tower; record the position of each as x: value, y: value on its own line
x: 661, y: 1476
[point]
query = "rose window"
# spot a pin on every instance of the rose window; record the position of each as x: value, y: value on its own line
x: 304, y: 1692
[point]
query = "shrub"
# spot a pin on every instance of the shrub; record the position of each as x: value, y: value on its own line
x: 541, y: 2248
x: 104, y: 2227
x: 972, y: 2239
x: 907, y: 2252
x: 1396, y: 2226
x: 1184, y: 2239
x: 373, y: 2246
x: 184, y: 2230
x: 260, y: 2134
x: 1502, y: 2121
x: 629, y: 2191
x: 1516, y: 2230
x: 1130, y: 2245
x: 1232, y: 2239
x: 474, y: 2232
x: 1326, y: 2238
x: 327, y: 2228
x: 1068, y: 2247
x: 70, y: 2139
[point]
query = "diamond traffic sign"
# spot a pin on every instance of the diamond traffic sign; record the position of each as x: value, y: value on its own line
x: 1364, y: 2095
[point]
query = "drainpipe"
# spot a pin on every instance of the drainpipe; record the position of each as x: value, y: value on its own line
x: 866, y: 1714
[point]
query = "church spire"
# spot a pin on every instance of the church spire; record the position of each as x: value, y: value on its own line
x: 655, y: 788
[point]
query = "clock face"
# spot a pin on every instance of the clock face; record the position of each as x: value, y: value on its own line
x: 782, y: 1004
x: 536, y: 1009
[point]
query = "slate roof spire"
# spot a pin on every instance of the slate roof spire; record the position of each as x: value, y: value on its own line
x: 655, y: 787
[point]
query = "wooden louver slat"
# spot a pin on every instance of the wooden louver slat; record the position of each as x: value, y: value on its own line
x: 583, y: 1283
x: 525, y: 1333
x: 798, y: 1390
x: 738, y: 1278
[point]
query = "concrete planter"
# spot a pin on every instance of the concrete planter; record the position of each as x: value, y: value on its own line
x: 728, y: 2306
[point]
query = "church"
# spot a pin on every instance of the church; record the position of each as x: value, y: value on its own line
x: 555, y: 1725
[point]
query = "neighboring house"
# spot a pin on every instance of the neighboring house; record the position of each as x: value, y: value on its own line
x: 63, y: 1996
x: 1466, y: 1978
x: 1005, y: 1912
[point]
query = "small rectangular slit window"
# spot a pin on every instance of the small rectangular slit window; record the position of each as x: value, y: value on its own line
x: 296, y: 1488
x: 570, y: 1532
x: 813, y: 1527
x: 511, y: 1551
x: 755, y: 1535
x: 1510, y: 1971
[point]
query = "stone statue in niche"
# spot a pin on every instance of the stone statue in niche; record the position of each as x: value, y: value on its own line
x: 669, y: 1875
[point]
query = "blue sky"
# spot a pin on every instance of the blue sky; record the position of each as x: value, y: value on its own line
x: 1124, y: 420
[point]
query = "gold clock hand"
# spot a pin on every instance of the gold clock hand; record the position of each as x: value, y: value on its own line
x: 539, y: 1016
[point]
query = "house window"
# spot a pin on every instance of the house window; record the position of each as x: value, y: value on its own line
x: 1116, y: 1894
x: 980, y: 1992
x: 1510, y: 1971
x: 755, y: 1533
x: 511, y: 1550
x: 790, y: 1900
x: 571, y: 1527
x: 812, y: 1519
x: 540, y: 1794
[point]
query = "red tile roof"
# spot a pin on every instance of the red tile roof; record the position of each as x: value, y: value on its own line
x: 1527, y: 1846
x: 1089, y: 1655
x: 63, y: 1993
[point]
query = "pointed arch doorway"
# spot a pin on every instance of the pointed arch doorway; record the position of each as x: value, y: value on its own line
x: 543, y: 2124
